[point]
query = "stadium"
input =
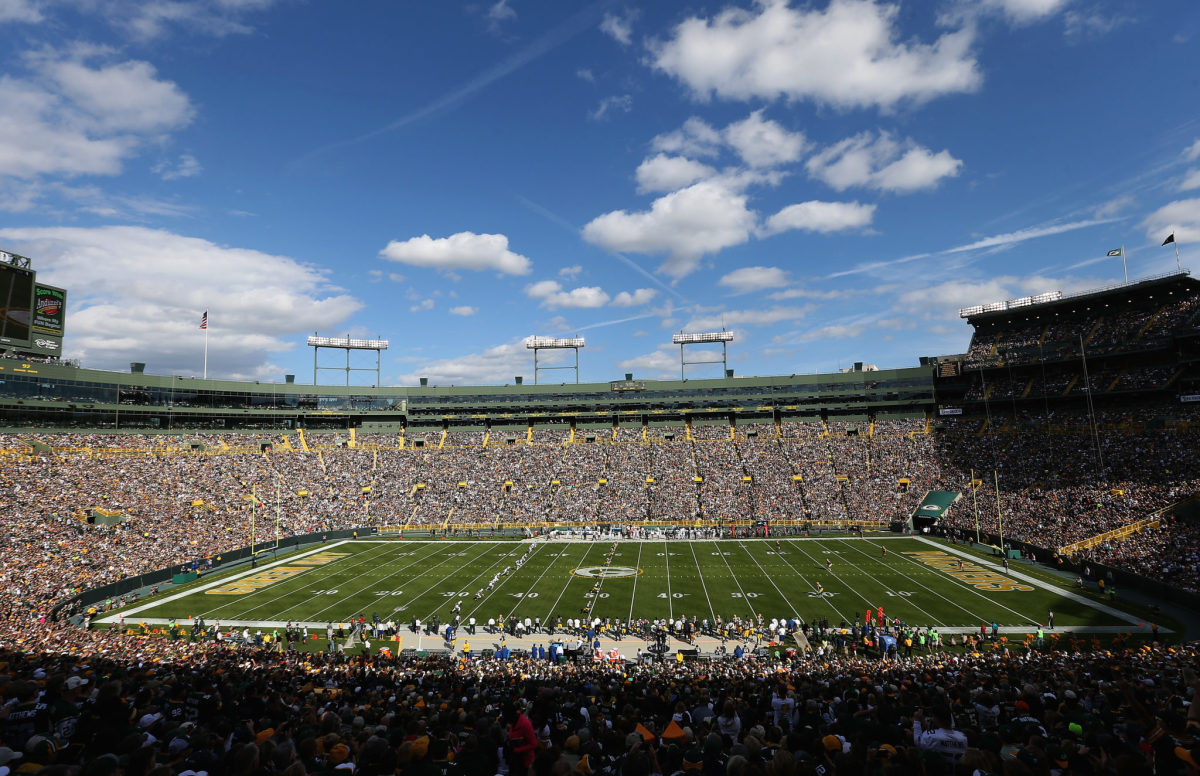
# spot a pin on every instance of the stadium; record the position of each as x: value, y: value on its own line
x: 806, y: 572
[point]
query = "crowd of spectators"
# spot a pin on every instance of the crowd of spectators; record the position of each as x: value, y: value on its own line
x: 119, y: 705
x: 180, y: 499
x: 1103, y: 330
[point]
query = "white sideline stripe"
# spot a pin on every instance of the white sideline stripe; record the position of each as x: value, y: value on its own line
x: 223, y: 581
x: 1129, y: 618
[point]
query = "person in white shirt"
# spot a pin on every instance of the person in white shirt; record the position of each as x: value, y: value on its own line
x: 941, y: 737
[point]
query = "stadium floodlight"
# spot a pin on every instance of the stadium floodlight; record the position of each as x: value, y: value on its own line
x: 683, y: 339
x: 699, y: 338
x: 1011, y: 304
x: 551, y: 343
x: 536, y: 343
x: 349, y: 343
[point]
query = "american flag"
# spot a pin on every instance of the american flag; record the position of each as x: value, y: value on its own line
x: 204, y: 320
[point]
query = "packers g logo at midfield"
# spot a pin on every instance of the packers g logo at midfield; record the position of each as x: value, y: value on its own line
x: 605, y: 572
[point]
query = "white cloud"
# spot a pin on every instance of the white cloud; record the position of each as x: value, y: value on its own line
x: 619, y: 28
x: 423, y: 305
x: 570, y: 272
x: 695, y: 138
x: 879, y: 162
x: 186, y: 167
x: 1025, y: 11
x: 584, y: 74
x: 830, y: 332
x: 149, y: 20
x: 1192, y: 181
x: 638, y: 298
x: 764, y: 143
x: 668, y: 173
x: 847, y: 54
x: 125, y: 96
x: 1080, y: 26
x: 499, y: 11
x: 464, y: 250
x: 1182, y: 217
x: 1021, y: 235
x: 1192, y: 152
x: 749, y: 279
x: 732, y: 318
x: 815, y: 216
x: 551, y: 295
x: 19, y: 11
x: 495, y: 365
x: 616, y: 103
x: 660, y: 363
x: 686, y: 224
x: 396, y: 277
x: 81, y: 114
x: 137, y: 291
x: 464, y: 310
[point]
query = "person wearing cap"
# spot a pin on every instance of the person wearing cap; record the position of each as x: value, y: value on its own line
x: 62, y: 707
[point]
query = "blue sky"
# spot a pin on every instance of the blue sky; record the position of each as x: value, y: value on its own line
x: 830, y: 180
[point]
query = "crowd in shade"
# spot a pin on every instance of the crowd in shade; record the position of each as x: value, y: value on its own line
x: 98, y: 704
x: 1090, y: 331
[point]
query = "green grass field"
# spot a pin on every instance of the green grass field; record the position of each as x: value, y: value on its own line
x: 918, y: 581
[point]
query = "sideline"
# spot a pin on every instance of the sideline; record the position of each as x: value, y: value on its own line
x: 992, y: 565
x: 222, y: 581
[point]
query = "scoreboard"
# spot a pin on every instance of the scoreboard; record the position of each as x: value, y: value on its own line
x: 32, y: 315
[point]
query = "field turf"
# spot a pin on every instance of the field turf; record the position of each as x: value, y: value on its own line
x: 918, y: 581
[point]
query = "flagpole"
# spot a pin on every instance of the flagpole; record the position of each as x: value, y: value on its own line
x: 205, y: 322
x: 1178, y: 268
x: 1124, y: 264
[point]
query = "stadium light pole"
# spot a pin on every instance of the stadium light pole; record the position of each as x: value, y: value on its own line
x: 536, y: 343
x: 347, y: 344
x: 683, y: 339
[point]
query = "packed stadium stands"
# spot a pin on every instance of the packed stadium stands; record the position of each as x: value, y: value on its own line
x: 848, y: 449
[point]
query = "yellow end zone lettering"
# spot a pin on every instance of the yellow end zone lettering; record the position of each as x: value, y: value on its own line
x: 976, y: 576
x: 258, y: 581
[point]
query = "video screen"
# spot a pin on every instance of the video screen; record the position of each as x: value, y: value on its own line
x: 16, y: 303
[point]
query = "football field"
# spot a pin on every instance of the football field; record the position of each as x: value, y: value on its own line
x: 922, y: 582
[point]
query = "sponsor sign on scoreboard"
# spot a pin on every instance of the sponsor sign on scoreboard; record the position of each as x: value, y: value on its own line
x: 49, y: 309
x: 48, y: 321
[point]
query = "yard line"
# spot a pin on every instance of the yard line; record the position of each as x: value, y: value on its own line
x: 700, y: 574
x: 667, y: 560
x: 633, y: 595
x: 494, y: 593
x: 1038, y: 583
x: 525, y: 595
x: 233, y: 607
x: 768, y: 576
x: 426, y: 557
x: 721, y: 554
x: 962, y: 585
x: 499, y: 559
x: 932, y: 619
x: 222, y: 581
x: 353, y: 562
x: 804, y: 579
x: 569, y: 581
x: 450, y: 575
x: 487, y: 597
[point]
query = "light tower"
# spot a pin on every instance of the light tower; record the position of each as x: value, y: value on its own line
x: 347, y: 344
x: 536, y: 343
x: 683, y: 339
